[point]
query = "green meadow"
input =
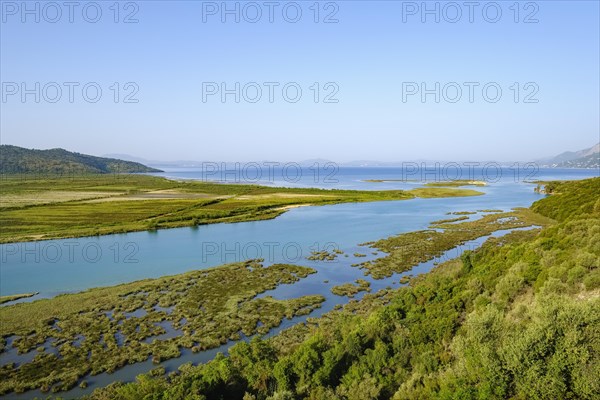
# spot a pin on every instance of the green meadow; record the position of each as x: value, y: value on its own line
x: 50, y: 208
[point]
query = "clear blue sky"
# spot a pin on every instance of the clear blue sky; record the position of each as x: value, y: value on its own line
x: 369, y: 53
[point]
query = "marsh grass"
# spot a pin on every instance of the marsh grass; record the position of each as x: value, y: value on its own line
x: 324, y: 255
x: 436, y: 192
x: 95, y: 332
x: 449, y: 220
x: 456, y: 183
x: 349, y: 289
x: 516, y: 318
x: 51, y: 208
x: 410, y: 249
x: 13, y: 297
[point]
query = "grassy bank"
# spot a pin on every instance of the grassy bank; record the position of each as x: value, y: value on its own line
x: 38, y: 209
x: 409, y: 249
x: 6, y: 299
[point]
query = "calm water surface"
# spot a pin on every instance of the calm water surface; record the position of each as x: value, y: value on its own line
x: 58, y: 266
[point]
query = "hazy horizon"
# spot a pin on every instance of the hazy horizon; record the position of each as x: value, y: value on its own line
x: 176, y: 66
x: 175, y: 161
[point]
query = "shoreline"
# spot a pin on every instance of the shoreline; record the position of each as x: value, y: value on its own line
x: 189, y: 204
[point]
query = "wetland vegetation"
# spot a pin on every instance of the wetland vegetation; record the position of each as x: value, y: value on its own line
x: 324, y: 255
x: 468, y: 212
x: 409, y: 249
x: 449, y: 220
x: 349, y: 289
x: 517, y: 318
x: 452, y: 183
x: 88, y: 205
x: 13, y: 297
x: 494, y: 323
x: 106, y: 328
x: 456, y: 183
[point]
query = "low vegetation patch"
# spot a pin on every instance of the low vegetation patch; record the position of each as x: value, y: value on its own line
x: 349, y: 289
x: 462, y: 212
x: 435, y: 192
x: 88, y: 205
x: 407, y: 250
x: 448, y: 221
x: 101, y: 330
x: 516, y: 319
x: 324, y: 255
x: 13, y: 297
x: 456, y: 183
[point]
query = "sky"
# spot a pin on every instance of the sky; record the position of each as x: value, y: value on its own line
x: 340, y: 80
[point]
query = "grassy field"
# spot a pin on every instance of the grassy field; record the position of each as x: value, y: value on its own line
x: 38, y: 209
x: 94, y: 331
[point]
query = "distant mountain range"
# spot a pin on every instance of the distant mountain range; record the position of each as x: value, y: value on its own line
x: 322, y: 162
x: 19, y: 160
x: 15, y: 159
x: 586, y: 158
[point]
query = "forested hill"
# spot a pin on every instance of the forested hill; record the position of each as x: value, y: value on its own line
x: 18, y: 160
x: 518, y: 318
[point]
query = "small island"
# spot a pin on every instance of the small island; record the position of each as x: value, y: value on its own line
x: 349, y: 289
x: 456, y: 183
x: 324, y: 255
x: 13, y: 297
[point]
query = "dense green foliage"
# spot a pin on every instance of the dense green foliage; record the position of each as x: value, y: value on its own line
x: 569, y: 199
x: 18, y: 160
x: 518, y: 318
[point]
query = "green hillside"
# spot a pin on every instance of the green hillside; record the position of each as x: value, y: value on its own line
x: 518, y: 318
x: 18, y: 160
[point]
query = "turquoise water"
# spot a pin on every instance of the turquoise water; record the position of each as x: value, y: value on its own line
x: 58, y: 266
x: 314, y: 284
x: 329, y: 176
x: 52, y: 267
